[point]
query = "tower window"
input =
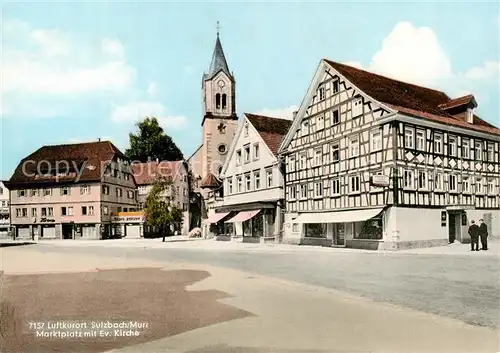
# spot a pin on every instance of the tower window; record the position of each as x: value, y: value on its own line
x: 217, y: 101
x: 224, y: 99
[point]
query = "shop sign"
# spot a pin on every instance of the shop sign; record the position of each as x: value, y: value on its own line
x: 128, y: 219
x: 380, y: 180
x: 47, y: 220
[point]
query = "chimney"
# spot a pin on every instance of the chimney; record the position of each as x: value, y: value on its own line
x: 295, y: 114
x: 470, y: 116
x: 98, y: 139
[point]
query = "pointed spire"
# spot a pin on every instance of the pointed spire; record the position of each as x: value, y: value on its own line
x: 218, y: 59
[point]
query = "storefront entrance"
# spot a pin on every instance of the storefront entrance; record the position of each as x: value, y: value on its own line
x: 338, y: 234
x: 454, y: 228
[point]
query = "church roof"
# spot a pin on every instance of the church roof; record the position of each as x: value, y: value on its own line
x: 272, y: 130
x: 219, y: 62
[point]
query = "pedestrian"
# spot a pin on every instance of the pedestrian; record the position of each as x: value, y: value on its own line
x: 474, y: 236
x: 483, y: 233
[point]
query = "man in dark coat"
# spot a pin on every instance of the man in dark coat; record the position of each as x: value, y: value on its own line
x: 483, y: 233
x: 474, y: 236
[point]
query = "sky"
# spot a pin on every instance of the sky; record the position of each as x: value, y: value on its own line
x: 76, y: 72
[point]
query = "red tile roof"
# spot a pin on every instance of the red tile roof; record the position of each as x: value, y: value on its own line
x: 408, y: 98
x: 272, y: 130
x: 90, y: 158
x: 210, y: 181
x: 148, y: 173
x: 465, y: 100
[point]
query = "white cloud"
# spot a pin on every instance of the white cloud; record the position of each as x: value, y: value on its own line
x: 50, y: 67
x: 490, y: 69
x: 284, y: 113
x: 152, y: 89
x: 134, y: 111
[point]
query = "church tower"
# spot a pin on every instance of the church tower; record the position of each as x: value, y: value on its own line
x: 219, y: 108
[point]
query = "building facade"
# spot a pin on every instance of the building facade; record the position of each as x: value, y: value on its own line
x: 4, y: 211
x: 376, y: 163
x: 146, y: 174
x: 219, y: 125
x: 71, y: 192
x: 252, y: 181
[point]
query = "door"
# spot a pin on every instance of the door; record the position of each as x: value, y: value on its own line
x: 67, y: 230
x: 133, y: 231
x: 48, y: 232
x: 338, y: 234
x: 452, y: 227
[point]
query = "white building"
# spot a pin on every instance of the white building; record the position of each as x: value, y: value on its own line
x: 4, y: 211
x: 252, y: 180
x: 376, y: 163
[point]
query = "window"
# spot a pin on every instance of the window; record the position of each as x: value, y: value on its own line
x: 318, y: 157
x: 409, y: 138
x: 130, y: 194
x: 303, y: 191
x: 47, y: 192
x: 224, y: 101
x: 230, y: 185
x: 256, y: 180
x: 217, y: 101
x: 21, y: 193
x: 302, y: 161
x: 336, y: 187
x: 33, y: 212
x: 335, y: 86
x: 305, y: 128
x: 479, y: 185
x: 408, y: 179
x: 320, y: 125
x: 84, y: 210
x: 452, y: 182
x: 105, y: 210
x: 291, y: 163
x: 248, y: 182
x: 247, y: 154
x: 420, y: 140
x: 126, y: 176
x: 84, y: 189
x: 318, y: 189
x: 335, y: 152
x: 246, y: 130
x: 452, y: 146
x: 43, y: 212
x: 354, y: 147
x: 65, y: 191
x: 465, y: 184
x: 478, y: 151
x: 438, y: 143
x: 293, y: 192
x: 91, y: 210
x: 119, y: 209
x: 465, y: 148
x: 105, y: 190
x: 354, y: 183
x: 240, y: 183
x: 238, y: 157
x: 490, y: 153
x: 335, y: 117
x: 422, y: 180
x: 321, y: 91
x: 376, y: 140
x: 118, y: 192
x: 222, y: 148
x: 357, y: 107
x: 491, y: 186
x: 34, y: 192
x: 1, y: 191
x: 64, y: 211
x: 255, y: 151
x: 18, y: 213
x: 269, y: 178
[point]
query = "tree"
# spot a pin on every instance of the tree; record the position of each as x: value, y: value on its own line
x: 158, y: 211
x: 152, y: 142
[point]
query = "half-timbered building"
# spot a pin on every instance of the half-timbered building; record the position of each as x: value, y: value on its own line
x: 252, y: 181
x: 372, y: 162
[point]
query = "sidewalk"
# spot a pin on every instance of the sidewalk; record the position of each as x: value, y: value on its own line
x: 185, y: 243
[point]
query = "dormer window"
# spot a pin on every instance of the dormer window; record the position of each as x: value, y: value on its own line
x: 470, y: 116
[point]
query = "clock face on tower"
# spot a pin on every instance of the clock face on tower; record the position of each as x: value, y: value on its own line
x: 221, y: 83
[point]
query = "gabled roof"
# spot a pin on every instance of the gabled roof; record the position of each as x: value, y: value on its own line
x: 210, y: 181
x: 219, y: 62
x: 90, y: 157
x: 405, y: 97
x: 460, y: 101
x: 272, y: 130
x: 147, y: 173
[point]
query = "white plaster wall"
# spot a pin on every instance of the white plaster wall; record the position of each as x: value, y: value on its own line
x: 289, y: 236
x: 412, y: 224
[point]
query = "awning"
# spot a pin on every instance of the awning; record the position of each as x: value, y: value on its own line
x: 216, y: 217
x: 338, y: 217
x: 243, y: 216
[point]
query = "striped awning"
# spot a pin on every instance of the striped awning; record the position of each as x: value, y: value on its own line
x: 243, y: 216
x: 216, y: 217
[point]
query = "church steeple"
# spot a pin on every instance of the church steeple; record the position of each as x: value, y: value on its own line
x: 218, y: 59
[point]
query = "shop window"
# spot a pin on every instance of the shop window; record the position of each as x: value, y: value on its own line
x: 315, y: 230
x: 371, y: 229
